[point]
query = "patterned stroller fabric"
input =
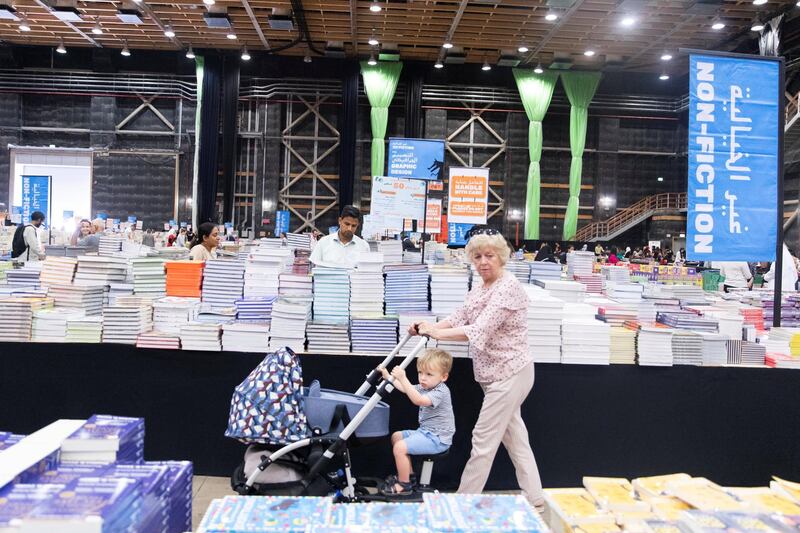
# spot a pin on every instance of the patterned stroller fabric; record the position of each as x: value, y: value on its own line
x: 267, y: 407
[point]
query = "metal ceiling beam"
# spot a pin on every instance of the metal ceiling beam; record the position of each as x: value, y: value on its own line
x: 149, y: 12
x: 550, y: 34
x: 256, y: 25
x: 69, y: 24
x: 449, y: 37
x: 354, y: 25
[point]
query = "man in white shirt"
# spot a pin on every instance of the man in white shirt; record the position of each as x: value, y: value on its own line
x: 737, y: 274
x: 30, y: 234
x: 788, y: 273
x: 343, y: 248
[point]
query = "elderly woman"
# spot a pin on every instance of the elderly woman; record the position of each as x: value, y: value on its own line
x: 494, y: 319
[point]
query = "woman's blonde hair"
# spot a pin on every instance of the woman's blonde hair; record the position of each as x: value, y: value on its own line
x: 495, y: 242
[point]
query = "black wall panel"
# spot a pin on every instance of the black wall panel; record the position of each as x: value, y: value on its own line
x: 56, y: 111
x: 9, y: 122
x: 102, y: 120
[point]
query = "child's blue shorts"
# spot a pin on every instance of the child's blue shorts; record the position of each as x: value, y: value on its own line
x: 423, y: 442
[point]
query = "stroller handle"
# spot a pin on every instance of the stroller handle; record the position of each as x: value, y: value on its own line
x: 374, y: 377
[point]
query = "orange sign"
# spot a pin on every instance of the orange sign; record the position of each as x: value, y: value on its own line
x: 433, y: 223
x: 468, y: 186
x: 468, y: 195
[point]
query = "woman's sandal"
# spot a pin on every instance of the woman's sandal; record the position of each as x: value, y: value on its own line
x: 391, y: 490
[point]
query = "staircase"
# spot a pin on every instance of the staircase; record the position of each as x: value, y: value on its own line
x: 670, y: 202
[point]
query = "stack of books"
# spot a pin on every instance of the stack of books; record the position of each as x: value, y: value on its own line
x: 299, y: 241
x: 567, y: 291
x: 541, y: 270
x: 18, y: 317
x: 404, y: 321
x: 715, y: 351
x: 623, y: 346
x: 25, y: 276
x: 246, y: 514
x: 262, y: 270
x: 245, y: 337
x: 288, y: 327
x: 454, y: 348
x: 478, y: 512
x: 592, y: 282
x: 159, y: 340
x: 223, y: 282
x: 731, y: 325
x: 118, y: 290
x: 687, y: 320
x: 122, y: 324
x: 374, y: 335
x: 204, y: 337
x: 520, y: 269
x: 392, y: 251
x: 753, y: 316
x: 366, y: 285
x: 95, y: 270
x: 184, y: 278
x: 178, y: 493
x: 406, y: 289
x: 87, y: 329
x: 687, y: 348
x: 110, y: 244
x: 580, y: 263
x: 5, y: 266
x: 328, y: 337
x: 654, y: 346
x: 255, y: 309
x: 449, y: 288
x: 545, y: 314
x: 624, y: 292
x: 149, y: 277
x: 616, y: 315
x: 50, y: 325
x: 618, y: 274
x: 297, y: 286
x: 106, y: 439
x: 784, y: 340
x: 58, y: 271
x: 585, y: 342
x: 172, y: 312
x: 331, y: 294
x: 89, y: 298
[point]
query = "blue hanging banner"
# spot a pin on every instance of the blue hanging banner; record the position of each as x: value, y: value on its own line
x: 734, y: 129
x: 281, y: 222
x: 457, y: 233
x: 35, y: 197
x: 421, y: 159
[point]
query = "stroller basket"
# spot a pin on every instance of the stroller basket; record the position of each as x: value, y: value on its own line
x: 320, y: 408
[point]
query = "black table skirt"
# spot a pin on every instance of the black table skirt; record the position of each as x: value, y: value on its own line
x: 736, y: 426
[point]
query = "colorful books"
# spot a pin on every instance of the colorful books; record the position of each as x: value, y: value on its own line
x: 184, y: 278
x: 259, y: 514
x: 106, y: 439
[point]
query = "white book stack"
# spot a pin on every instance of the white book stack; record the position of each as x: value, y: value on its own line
x: 654, y: 346
x: 687, y: 294
x: 366, y: 291
x: 89, y: 298
x: 454, y: 348
x: 299, y: 241
x: 624, y: 291
x: 331, y: 294
x: 105, y: 439
x: 223, y: 282
x: 172, y: 312
x: 123, y: 324
x: 568, y: 291
x: 623, y: 346
x: 449, y: 288
x: 392, y: 251
x: 288, y: 327
x: 204, y: 337
x: 58, y: 271
x: 50, y: 325
x: 779, y: 340
x: 159, y: 340
x: 687, y: 348
x: 541, y: 270
x: 117, y: 291
x: 296, y: 286
x: 405, y: 320
x: 270, y: 242
x: 25, y: 276
x: 96, y: 270
x: 110, y: 244
x: 245, y: 337
x: 328, y: 337
x: 592, y: 282
x: 585, y: 342
x: 215, y: 315
x: 17, y: 316
x: 731, y: 325
x: 715, y: 349
x: 262, y: 270
x: 580, y: 263
x: 646, y: 311
x: 88, y: 329
x: 520, y: 269
x: 618, y: 274
x: 545, y: 314
x: 149, y: 277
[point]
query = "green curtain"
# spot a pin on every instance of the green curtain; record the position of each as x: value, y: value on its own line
x: 199, y: 71
x: 380, y: 83
x: 535, y: 91
x: 580, y: 88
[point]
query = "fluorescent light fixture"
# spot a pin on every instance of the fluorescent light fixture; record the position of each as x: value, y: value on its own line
x: 669, y: 235
x: 447, y: 45
x: 664, y: 77
x: 373, y: 41
x: 61, y: 48
x: 371, y: 62
x: 307, y: 59
x: 759, y: 2
x: 666, y: 56
x: 522, y: 49
x: 628, y: 21
x: 208, y: 2
x: 438, y: 64
x: 682, y: 235
x: 245, y: 54
x: 551, y: 16
x: 231, y: 35
x: 375, y: 7
x: 169, y: 32
x: 97, y: 30
x: 125, y: 52
x: 190, y: 53
x: 538, y: 69
x: 486, y: 66
x: 717, y: 25
x: 589, y: 53
x: 660, y: 178
x: 757, y: 25
x: 24, y: 26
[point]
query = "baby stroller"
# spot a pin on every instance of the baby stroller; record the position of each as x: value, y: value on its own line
x: 319, y: 465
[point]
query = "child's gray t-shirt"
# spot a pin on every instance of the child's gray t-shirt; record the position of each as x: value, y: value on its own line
x: 438, y: 416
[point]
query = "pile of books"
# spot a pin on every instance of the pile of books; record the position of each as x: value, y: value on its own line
x: 687, y: 348
x: 585, y: 341
x: 245, y: 337
x: 50, y: 325
x: 88, y: 329
x: 89, y: 298
x: 171, y: 313
x: 58, y: 271
x: 392, y: 251
x: 654, y: 346
x: 106, y: 439
x: 200, y: 336
x: 449, y: 288
x: 687, y: 320
x: 257, y: 309
x: 96, y: 270
x: 288, y: 328
x: 331, y: 294
x: 404, y: 321
x: 520, y: 269
x: 25, y: 276
x: 623, y: 346
x: 328, y: 337
x: 18, y: 317
x: 122, y: 324
x: 184, y: 278
x: 580, y: 263
x: 406, y: 289
x: 300, y: 241
x: 110, y: 244
x: 592, y: 282
x: 366, y: 285
x: 567, y: 291
x: 618, y: 274
x: 223, y: 282
x: 149, y: 277
x: 296, y: 285
x: 118, y: 290
x: 541, y: 270
x: 159, y: 340
x: 715, y: 352
x: 624, y: 292
x: 262, y: 270
x: 374, y: 335
x: 545, y: 314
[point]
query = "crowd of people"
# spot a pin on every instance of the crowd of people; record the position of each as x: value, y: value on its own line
x: 612, y: 255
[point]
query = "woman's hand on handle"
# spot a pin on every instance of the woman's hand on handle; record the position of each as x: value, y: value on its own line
x: 413, y: 329
x: 427, y: 329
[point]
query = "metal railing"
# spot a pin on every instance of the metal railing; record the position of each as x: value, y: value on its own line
x: 641, y: 210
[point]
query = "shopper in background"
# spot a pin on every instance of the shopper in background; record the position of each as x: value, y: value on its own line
x: 83, y: 230
x: 598, y: 249
x: 25, y: 246
x: 148, y: 239
x: 494, y: 319
x: 204, y: 245
x: 545, y: 254
x: 612, y: 256
x: 788, y: 273
x: 180, y: 240
x: 343, y: 248
x: 737, y: 274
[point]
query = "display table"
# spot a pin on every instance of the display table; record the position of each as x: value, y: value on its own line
x: 737, y: 426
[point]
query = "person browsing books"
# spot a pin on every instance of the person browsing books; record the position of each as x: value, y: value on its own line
x: 204, y: 245
x: 343, y: 248
x: 494, y: 319
x: 436, y: 421
x: 25, y: 245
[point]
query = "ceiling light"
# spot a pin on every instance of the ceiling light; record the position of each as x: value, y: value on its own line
x: 245, y: 54
x: 231, y: 35
x: 373, y: 41
x: 190, y: 53
x: 438, y: 64
x: 660, y: 178
x: 61, y: 48
x: 628, y: 21
x: 757, y: 25
x: 682, y: 235
x: 486, y: 66
x: 717, y: 25
x: 759, y: 2
x: 448, y: 45
x: 208, y: 2
x: 550, y: 17
x: 589, y: 53
x: 664, y: 77
x: 125, y: 50
x: 371, y: 62
x: 666, y: 56
x: 538, y: 69
x: 97, y: 30
x: 169, y: 32
x: 375, y: 7
x: 24, y: 26
x: 522, y: 49
x: 307, y: 59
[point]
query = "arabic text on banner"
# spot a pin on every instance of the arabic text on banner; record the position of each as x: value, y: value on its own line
x: 468, y: 195
x: 35, y: 197
x: 398, y: 198
x: 733, y: 158
x: 421, y: 159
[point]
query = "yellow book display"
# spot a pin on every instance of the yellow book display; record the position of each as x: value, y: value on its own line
x: 705, y: 495
x: 576, y: 507
x: 786, y: 488
x: 614, y: 494
x: 766, y: 501
x: 653, y: 486
x: 668, y: 508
